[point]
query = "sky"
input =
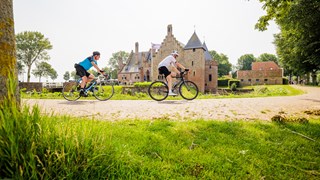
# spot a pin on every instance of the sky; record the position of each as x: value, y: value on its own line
x: 76, y: 28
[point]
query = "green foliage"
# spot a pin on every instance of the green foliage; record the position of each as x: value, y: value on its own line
x: 32, y: 47
x: 114, y: 61
x: 60, y: 147
x: 245, y: 62
x: 223, y: 81
x: 66, y: 76
x: 233, y: 87
x: 285, y: 80
x: 267, y: 57
x: 233, y: 81
x: 298, y: 43
x: 142, y: 84
x: 224, y: 66
x: 44, y: 69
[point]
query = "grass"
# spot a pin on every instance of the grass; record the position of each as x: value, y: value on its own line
x: 34, y: 146
x: 259, y: 91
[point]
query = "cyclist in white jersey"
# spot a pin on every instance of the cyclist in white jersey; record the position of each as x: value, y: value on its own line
x: 167, y: 63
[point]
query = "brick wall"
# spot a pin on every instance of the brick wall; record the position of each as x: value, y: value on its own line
x: 30, y: 86
x: 259, y: 77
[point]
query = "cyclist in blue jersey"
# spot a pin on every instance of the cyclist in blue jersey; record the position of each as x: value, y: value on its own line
x: 83, y: 67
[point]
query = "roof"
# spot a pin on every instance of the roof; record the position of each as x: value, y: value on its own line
x: 207, y: 55
x: 194, y: 42
x: 131, y: 66
x: 268, y: 65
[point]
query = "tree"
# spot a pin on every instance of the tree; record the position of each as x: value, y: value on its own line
x: 74, y: 75
x: 224, y: 66
x: 114, y: 61
x: 245, y: 62
x: 8, y: 71
x: 66, y: 76
x: 298, y: 43
x: 44, y: 69
x: 267, y: 57
x: 32, y: 47
x: 53, y: 74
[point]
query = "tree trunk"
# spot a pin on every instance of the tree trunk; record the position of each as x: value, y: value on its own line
x: 8, y: 70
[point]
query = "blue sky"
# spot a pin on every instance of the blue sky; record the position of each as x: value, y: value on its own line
x: 77, y: 27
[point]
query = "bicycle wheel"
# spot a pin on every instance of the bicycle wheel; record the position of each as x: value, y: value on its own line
x: 103, y: 92
x: 158, y: 90
x: 71, y: 90
x: 188, y: 90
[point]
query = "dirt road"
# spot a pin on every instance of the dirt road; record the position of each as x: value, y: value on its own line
x: 218, y: 109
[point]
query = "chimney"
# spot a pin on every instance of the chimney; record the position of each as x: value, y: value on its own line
x: 169, y: 30
x: 137, y: 53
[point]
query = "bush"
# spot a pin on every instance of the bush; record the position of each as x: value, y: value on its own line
x: 142, y: 84
x: 231, y: 81
x: 233, y: 87
x: 223, y: 81
x: 285, y: 80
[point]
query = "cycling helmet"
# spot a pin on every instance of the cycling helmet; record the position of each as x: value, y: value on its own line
x: 96, y: 53
x: 175, y: 53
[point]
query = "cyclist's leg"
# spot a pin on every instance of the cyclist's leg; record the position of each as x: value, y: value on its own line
x: 167, y: 74
x: 80, y: 71
x: 90, y: 78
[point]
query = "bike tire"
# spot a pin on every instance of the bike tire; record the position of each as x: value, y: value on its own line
x: 158, y: 90
x: 188, y: 90
x: 71, y: 91
x: 103, y: 92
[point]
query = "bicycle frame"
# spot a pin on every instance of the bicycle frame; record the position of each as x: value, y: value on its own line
x: 159, y: 90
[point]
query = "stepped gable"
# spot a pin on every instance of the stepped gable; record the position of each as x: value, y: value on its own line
x: 194, y: 42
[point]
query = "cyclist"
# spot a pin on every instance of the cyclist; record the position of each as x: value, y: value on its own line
x: 164, y: 67
x: 83, y: 67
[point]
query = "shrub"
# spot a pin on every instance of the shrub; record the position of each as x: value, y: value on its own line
x: 233, y: 87
x: 231, y: 81
x: 142, y: 84
x: 285, y: 80
x: 223, y: 81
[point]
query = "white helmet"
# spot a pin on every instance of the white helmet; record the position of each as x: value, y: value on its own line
x: 175, y: 53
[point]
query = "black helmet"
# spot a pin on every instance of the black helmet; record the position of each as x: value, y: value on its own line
x: 96, y: 53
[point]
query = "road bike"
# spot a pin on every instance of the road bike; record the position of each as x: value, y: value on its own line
x: 101, y: 90
x: 159, y: 90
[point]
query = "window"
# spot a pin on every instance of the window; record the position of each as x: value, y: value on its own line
x: 257, y: 80
x: 194, y: 49
x: 242, y: 80
x: 249, y: 80
x: 191, y: 63
x: 194, y: 73
x: 210, y: 77
x: 265, y: 80
x: 210, y: 67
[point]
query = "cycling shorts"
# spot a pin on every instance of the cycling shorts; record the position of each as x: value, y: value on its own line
x: 81, y: 71
x: 164, y: 70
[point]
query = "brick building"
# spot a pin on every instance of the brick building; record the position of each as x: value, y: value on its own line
x: 142, y: 66
x: 261, y: 73
x: 137, y: 67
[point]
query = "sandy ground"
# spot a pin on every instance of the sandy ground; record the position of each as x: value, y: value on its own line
x: 209, y: 109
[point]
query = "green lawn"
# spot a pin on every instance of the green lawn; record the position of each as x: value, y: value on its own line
x: 259, y: 91
x: 59, y: 147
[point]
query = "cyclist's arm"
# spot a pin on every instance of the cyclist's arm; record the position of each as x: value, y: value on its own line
x: 97, y: 68
x: 180, y: 65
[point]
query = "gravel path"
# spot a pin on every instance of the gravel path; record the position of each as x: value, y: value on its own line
x: 218, y: 109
